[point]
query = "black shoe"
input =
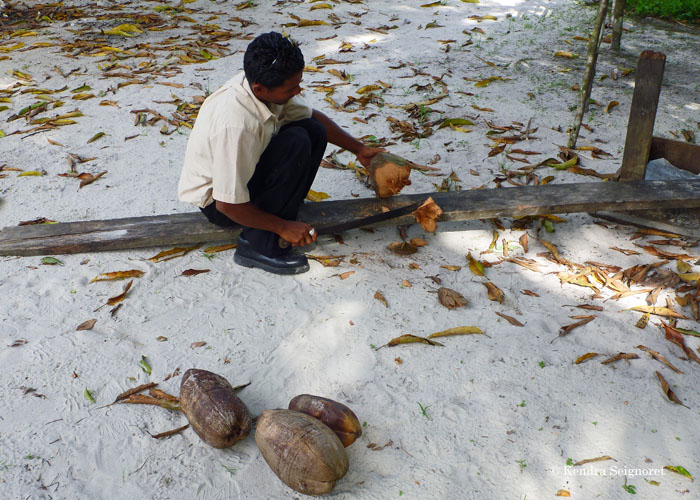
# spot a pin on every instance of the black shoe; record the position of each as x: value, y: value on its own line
x: 287, y: 263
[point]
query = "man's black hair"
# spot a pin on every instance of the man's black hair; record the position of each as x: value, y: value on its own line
x: 271, y: 59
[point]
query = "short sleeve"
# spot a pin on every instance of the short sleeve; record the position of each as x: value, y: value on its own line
x: 235, y: 153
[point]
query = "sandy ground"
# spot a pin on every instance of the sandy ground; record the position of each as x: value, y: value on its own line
x: 503, y: 412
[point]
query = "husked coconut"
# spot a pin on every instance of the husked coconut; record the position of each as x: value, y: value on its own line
x: 302, y: 451
x: 214, y: 411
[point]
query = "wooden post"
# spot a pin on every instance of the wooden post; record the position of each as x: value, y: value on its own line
x: 589, y: 73
x: 640, y: 127
x: 618, y: 13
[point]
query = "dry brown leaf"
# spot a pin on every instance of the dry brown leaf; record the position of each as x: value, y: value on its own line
x: 565, y: 330
x: 427, y: 214
x: 86, y: 178
x: 193, y: 272
x: 526, y: 263
x: 451, y: 268
x: 345, y: 275
x: 451, y: 299
x: 378, y: 295
x: 619, y: 356
x: 142, y: 399
x: 510, y: 319
x: 668, y: 391
x: 585, y: 357
x: 591, y: 460
x: 494, y: 293
x: 118, y: 275
x: 86, y: 325
x: 525, y: 291
x: 402, y: 248
x: 675, y: 336
x: 201, y: 343
x: 169, y: 433
x: 563, y: 493
x: 523, y: 242
x: 113, y: 301
x: 157, y: 393
x: 659, y: 357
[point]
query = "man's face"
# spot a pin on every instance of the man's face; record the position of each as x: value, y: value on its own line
x: 281, y: 94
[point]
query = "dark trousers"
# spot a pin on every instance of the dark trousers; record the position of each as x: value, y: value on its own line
x: 282, y: 179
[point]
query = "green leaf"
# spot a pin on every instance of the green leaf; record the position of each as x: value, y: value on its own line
x: 88, y: 395
x: 632, y: 490
x: 450, y: 122
x: 51, y: 261
x: 95, y: 137
x: 679, y: 470
x: 549, y: 226
x: 144, y: 365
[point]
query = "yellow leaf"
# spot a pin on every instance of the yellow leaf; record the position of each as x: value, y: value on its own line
x: 173, y: 253
x: 487, y: 81
x: 585, y: 357
x: 220, y: 248
x: 460, y: 330
x: 567, y: 55
x: 689, y: 277
x: 30, y: 173
x: 118, y: 275
x: 659, y: 311
x: 10, y: 48
x: 321, y: 6
x: 316, y: 195
x: 610, y: 106
x: 113, y: 301
x: 368, y: 88
x: 563, y: 493
x: 475, y: 266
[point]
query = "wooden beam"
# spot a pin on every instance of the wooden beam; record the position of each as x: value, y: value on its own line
x: 640, y: 126
x: 683, y: 155
x: 189, y: 228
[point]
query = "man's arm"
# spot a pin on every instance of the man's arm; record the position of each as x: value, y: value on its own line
x: 247, y: 214
x: 340, y: 137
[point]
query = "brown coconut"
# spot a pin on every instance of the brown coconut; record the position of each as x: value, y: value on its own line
x: 341, y: 419
x: 214, y: 411
x: 302, y: 451
x: 388, y: 174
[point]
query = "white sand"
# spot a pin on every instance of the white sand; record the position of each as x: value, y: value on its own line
x: 500, y: 425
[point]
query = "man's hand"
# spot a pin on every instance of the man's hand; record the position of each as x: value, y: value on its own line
x: 366, y: 153
x: 297, y: 234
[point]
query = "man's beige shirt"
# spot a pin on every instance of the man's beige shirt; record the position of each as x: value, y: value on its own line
x: 232, y: 130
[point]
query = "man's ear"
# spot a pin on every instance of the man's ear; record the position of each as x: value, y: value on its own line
x: 258, y: 89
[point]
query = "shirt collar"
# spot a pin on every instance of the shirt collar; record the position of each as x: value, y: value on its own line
x: 262, y: 108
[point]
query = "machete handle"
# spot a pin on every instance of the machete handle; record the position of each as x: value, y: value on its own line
x: 284, y: 243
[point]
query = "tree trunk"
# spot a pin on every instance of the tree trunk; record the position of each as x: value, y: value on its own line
x: 618, y: 13
x: 589, y: 73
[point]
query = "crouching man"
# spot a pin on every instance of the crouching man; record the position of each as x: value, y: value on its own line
x: 254, y: 152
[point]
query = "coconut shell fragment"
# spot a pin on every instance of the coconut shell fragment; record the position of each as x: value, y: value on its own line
x: 388, y: 174
x: 341, y: 419
x: 211, y: 405
x: 427, y: 215
x: 302, y: 451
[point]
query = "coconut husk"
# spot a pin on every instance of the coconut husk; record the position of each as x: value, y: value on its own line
x: 389, y: 174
